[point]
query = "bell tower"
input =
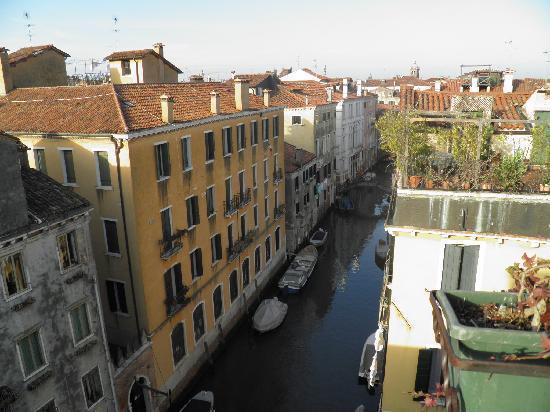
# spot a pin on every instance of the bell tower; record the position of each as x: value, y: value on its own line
x: 415, y: 70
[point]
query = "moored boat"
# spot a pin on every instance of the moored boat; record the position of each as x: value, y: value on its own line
x: 201, y: 402
x: 380, y: 253
x: 269, y: 315
x: 299, y: 270
x: 319, y: 237
x: 344, y: 204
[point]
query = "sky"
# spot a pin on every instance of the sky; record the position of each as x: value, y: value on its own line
x: 355, y: 38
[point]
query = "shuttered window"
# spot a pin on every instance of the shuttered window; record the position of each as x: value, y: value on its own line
x: 227, y: 141
x: 40, y: 160
x: 268, y: 249
x: 217, y: 301
x: 246, y: 272
x: 216, y: 244
x: 111, y: 236
x: 103, y: 171
x: 210, y: 208
x: 186, y: 153
x: 163, y: 160
x: 233, y: 286
x: 116, y: 296
x: 178, y: 343
x: 80, y: 323
x: 265, y: 129
x: 241, y: 137
x: 257, y: 260
x: 459, y: 267
x: 173, y: 282
x: 198, y: 322
x: 68, y: 166
x: 253, y: 133
x: 275, y: 127
x: 193, y: 216
x: 31, y: 352
x: 423, y: 368
x: 277, y: 239
x: 196, y: 263
x: 209, y: 145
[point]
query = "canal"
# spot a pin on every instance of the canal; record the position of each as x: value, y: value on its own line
x: 310, y: 362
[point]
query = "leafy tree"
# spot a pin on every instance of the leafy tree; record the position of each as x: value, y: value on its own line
x: 540, y: 148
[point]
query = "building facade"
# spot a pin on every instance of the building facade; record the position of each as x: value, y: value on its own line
x: 188, y: 222
x: 54, y: 351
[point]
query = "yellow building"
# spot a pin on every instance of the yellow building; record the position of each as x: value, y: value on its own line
x: 142, y: 66
x: 188, y: 222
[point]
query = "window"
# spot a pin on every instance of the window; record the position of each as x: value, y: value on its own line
x: 217, y: 300
x: 196, y: 263
x: 68, y: 166
x: 227, y: 144
x: 111, y: 236
x: 31, y: 353
x: 209, y: 145
x: 228, y: 195
x: 276, y: 197
x: 178, y: 343
x: 80, y: 323
x: 242, y: 184
x: 126, y: 67
x: 459, y: 267
x: 253, y: 133
x: 116, y: 295
x: 254, y: 176
x: 210, y: 201
x: 67, y: 251
x: 241, y: 137
x: 198, y: 321
x: 93, y: 391
x: 243, y: 226
x: 275, y: 126
x: 13, y: 275
x: 423, y: 369
x: 40, y: 160
x: 246, y: 272
x: 193, y: 217
x: 257, y: 260
x: 266, y: 168
x: 296, y: 183
x: 102, y: 168
x: 265, y: 129
x: 255, y: 216
x: 173, y: 284
x: 216, y: 243
x: 233, y: 286
x: 186, y: 153
x: 163, y: 161
x: 166, y: 222
x: 230, y: 236
x: 268, y: 249
x: 297, y: 207
x: 266, y: 207
x: 277, y: 239
x: 296, y: 120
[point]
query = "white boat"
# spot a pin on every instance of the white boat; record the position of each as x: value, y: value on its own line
x: 371, y: 358
x: 299, y: 271
x: 269, y: 315
x: 381, y: 253
x: 201, y: 402
x: 319, y: 237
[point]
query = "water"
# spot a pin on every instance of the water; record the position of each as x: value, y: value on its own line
x: 310, y: 362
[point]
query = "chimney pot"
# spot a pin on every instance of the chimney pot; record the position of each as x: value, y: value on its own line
x: 241, y: 94
x: 167, y: 108
x: 6, y: 82
x: 159, y: 49
x: 267, y: 97
x: 214, y: 102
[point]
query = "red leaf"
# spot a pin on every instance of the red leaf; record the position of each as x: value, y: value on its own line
x: 545, y: 340
x: 429, y: 401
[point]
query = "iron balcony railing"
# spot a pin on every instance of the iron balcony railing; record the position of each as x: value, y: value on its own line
x: 231, y: 206
x: 175, y: 303
x: 244, y: 198
x: 277, y: 175
x: 278, y: 211
x: 172, y: 244
x: 240, y: 245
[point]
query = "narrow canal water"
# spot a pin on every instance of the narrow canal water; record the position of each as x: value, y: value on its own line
x: 310, y: 363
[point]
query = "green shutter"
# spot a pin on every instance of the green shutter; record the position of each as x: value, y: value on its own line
x: 451, y: 267
x: 469, y: 268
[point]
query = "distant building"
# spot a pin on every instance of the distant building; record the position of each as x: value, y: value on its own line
x: 415, y: 70
x: 258, y: 82
x: 302, y: 211
x: 142, y: 66
x: 52, y: 341
x: 34, y: 66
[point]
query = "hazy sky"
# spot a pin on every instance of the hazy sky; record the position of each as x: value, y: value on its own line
x: 352, y: 37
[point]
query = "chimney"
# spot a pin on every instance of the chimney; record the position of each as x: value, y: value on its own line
x: 474, y: 87
x: 359, y: 88
x: 267, y: 97
x: 159, y: 49
x: 508, y: 86
x: 329, y: 94
x: 214, y: 102
x: 437, y: 85
x: 241, y: 94
x: 167, y: 107
x: 6, y: 83
x: 345, y: 89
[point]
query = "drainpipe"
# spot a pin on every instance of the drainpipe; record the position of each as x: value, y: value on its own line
x: 118, y: 146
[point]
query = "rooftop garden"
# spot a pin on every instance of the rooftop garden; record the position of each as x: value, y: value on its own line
x: 464, y: 154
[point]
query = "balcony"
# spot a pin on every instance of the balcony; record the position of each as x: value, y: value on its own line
x: 240, y: 245
x: 175, y: 303
x: 277, y: 176
x: 231, y: 206
x: 278, y: 211
x: 243, y: 198
x: 172, y: 244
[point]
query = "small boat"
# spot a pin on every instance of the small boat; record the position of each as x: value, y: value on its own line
x: 299, y: 270
x: 269, y: 315
x: 319, y: 237
x: 344, y: 204
x: 371, y: 358
x: 381, y: 253
x: 201, y: 402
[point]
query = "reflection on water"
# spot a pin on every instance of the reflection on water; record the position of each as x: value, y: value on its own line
x: 310, y: 363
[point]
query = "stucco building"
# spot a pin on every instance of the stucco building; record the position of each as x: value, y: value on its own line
x: 54, y: 352
x: 188, y: 223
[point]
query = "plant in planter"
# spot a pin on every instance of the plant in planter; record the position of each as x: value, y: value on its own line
x: 544, y: 186
x: 509, y: 171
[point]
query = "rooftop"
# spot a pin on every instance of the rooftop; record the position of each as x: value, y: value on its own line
x: 26, y: 52
x: 139, y: 54
x: 295, y: 158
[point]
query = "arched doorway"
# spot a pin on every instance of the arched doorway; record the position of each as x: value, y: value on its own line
x: 138, y: 400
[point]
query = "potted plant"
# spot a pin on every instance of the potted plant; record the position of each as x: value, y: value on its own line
x: 509, y: 171
x: 544, y: 186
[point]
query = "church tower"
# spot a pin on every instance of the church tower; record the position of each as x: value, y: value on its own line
x: 415, y: 70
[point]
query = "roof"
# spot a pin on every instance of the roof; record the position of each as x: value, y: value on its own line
x: 397, y: 81
x: 507, y: 106
x: 139, y: 54
x: 253, y: 78
x: 49, y: 200
x: 485, y: 213
x: 26, y: 52
x: 295, y: 158
x: 108, y: 108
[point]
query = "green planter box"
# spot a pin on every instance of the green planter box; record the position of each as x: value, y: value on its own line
x: 482, y: 381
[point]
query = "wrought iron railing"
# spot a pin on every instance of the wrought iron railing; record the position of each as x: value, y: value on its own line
x: 244, y: 198
x: 231, y: 206
x: 175, y: 303
x: 277, y: 175
x: 278, y: 211
x: 240, y: 245
x: 172, y: 244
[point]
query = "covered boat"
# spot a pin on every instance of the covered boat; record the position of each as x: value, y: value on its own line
x: 381, y: 253
x: 319, y: 237
x: 372, y: 358
x: 299, y: 270
x: 201, y: 402
x: 269, y: 315
x: 345, y: 204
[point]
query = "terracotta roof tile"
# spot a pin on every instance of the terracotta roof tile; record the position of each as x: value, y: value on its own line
x: 253, y: 78
x: 26, y: 52
x: 296, y: 158
x: 139, y: 54
x: 397, y: 81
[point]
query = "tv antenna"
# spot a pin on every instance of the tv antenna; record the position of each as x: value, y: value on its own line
x: 28, y: 25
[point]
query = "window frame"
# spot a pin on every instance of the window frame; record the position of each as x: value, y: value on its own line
x: 24, y: 274
x: 206, y: 151
x: 268, y: 258
x: 35, y: 151
x: 253, y: 133
x: 19, y: 338
x: 231, y: 298
x: 62, y: 151
x: 213, y: 191
x: 293, y: 123
x: 265, y: 129
x: 88, y: 318
x: 99, y: 183
x: 203, y: 321
x: 188, y: 202
x: 266, y: 170
x: 219, y: 256
x: 156, y: 145
x: 84, y: 390
x: 266, y: 207
x: 125, y: 67
x: 275, y: 127
x: 179, y: 362
x: 117, y: 299
x: 258, y: 268
x: 194, y: 266
x: 220, y: 286
x: 105, y: 238
x: 78, y: 262
x: 246, y: 259
x: 169, y: 208
x: 227, y: 141
x: 277, y: 235
x: 256, y: 216
x: 255, y: 176
x: 186, y: 142
x: 241, y: 137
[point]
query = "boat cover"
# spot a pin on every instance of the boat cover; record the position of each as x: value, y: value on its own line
x: 269, y: 315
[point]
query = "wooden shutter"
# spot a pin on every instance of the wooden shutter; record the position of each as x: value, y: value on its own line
x: 196, y: 214
x: 469, y: 268
x: 168, y: 284
x: 451, y: 267
x: 178, y: 279
x: 158, y: 161
x: 121, y: 294
x: 218, y: 245
x: 198, y: 254
x: 111, y: 296
x: 424, y: 365
x: 189, y: 212
x: 166, y: 159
